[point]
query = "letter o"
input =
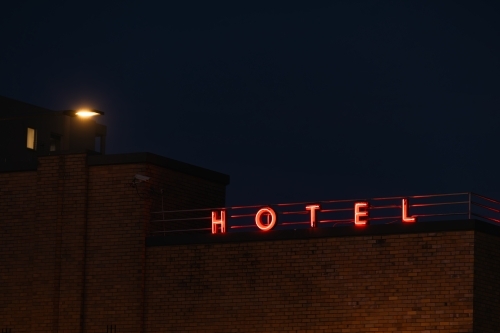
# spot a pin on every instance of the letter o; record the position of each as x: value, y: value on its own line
x: 269, y: 212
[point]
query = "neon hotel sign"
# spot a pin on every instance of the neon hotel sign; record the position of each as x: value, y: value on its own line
x: 361, y: 216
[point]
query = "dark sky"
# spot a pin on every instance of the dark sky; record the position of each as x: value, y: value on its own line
x: 295, y: 101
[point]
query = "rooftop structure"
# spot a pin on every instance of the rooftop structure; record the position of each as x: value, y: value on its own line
x: 28, y: 131
x: 143, y: 243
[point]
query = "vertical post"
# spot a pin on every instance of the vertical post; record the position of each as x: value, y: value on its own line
x: 470, y: 204
x: 162, y: 209
x: 162, y: 213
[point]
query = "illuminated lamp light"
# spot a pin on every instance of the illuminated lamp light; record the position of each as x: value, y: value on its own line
x: 271, y: 218
x: 83, y: 113
x: 404, y: 213
x: 361, y: 213
x: 221, y: 222
x: 313, y: 209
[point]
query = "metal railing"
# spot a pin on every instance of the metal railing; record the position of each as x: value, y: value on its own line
x: 333, y: 213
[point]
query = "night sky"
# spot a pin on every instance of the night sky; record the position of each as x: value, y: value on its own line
x: 296, y: 102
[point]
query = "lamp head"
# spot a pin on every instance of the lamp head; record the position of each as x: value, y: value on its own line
x: 83, y: 113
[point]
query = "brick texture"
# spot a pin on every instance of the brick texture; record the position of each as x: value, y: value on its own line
x: 73, y: 241
x: 58, y: 243
x: 486, y: 279
x: 17, y: 213
x: 73, y: 258
x: 395, y: 283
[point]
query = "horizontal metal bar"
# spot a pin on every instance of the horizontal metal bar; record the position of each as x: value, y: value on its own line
x: 183, y: 230
x: 385, y: 207
x: 186, y: 210
x: 438, y: 195
x: 296, y: 213
x: 336, y: 210
x: 444, y: 214
x: 383, y: 218
x: 486, y: 207
x: 242, y: 215
x: 346, y: 222
x: 252, y: 206
x: 186, y: 219
x: 319, y: 202
x: 485, y: 198
x: 440, y: 204
x: 297, y: 203
x: 291, y: 223
x: 486, y: 218
x: 354, y: 200
x: 335, y: 221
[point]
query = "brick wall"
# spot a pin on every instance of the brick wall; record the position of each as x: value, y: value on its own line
x: 118, y: 222
x: 114, y: 250
x: 394, y: 283
x: 17, y: 213
x: 73, y: 221
x: 43, y: 219
x: 58, y: 243
x: 486, y: 283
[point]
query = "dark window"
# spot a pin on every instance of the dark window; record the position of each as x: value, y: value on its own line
x: 110, y: 328
x: 55, y: 142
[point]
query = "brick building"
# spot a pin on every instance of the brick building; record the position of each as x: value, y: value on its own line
x: 83, y: 249
x: 77, y: 256
x: 73, y: 254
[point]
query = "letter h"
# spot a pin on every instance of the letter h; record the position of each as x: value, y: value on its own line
x: 221, y: 221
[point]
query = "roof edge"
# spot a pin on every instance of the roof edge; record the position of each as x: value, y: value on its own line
x: 311, y: 233
x: 150, y: 158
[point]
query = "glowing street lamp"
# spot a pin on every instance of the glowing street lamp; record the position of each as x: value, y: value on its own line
x: 46, y: 131
x: 83, y: 113
x: 88, y: 113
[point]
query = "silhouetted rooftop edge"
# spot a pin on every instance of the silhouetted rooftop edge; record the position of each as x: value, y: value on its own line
x: 8, y: 105
x: 94, y: 159
x: 158, y: 160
